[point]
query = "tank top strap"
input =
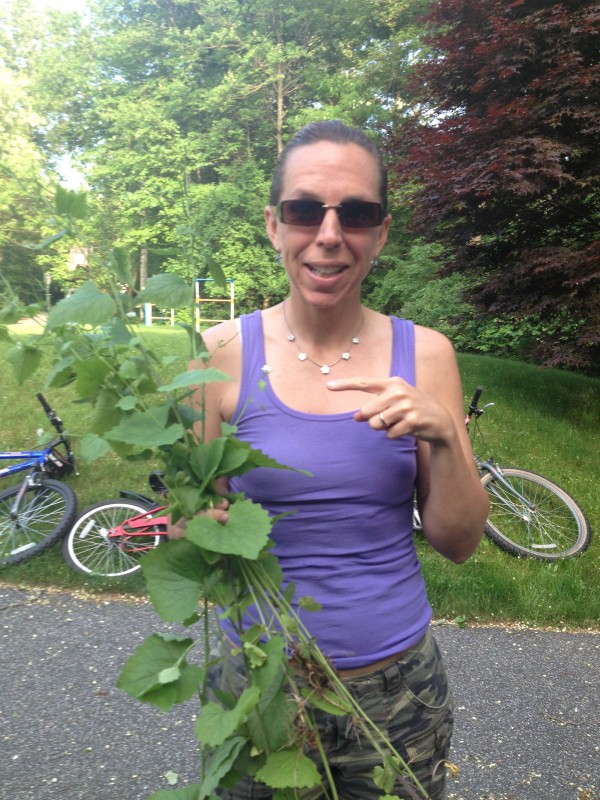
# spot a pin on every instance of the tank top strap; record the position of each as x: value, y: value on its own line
x: 403, y: 350
x: 253, y: 352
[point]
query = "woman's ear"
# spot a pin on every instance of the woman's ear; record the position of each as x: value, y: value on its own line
x: 383, y: 233
x: 272, y: 226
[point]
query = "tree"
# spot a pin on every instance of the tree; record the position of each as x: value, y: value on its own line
x: 154, y: 96
x: 25, y: 190
x: 500, y: 154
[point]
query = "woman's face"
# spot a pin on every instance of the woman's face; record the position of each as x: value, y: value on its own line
x: 327, y: 263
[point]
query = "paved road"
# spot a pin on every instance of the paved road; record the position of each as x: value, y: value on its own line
x: 528, y: 722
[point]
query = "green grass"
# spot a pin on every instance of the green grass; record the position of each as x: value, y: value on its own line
x: 547, y: 421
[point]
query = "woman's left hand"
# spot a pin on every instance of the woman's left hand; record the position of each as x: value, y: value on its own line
x: 400, y: 409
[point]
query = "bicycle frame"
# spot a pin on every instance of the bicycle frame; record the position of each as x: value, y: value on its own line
x: 44, y: 459
x: 136, y: 527
x: 32, y: 459
x: 489, y: 465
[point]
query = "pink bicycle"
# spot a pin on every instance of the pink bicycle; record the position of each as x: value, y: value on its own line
x: 109, y: 538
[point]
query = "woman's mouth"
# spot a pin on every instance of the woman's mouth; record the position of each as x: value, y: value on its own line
x: 326, y: 272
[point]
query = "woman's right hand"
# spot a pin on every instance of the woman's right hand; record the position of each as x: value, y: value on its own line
x: 218, y: 513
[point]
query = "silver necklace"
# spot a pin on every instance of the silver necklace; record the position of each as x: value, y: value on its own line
x: 302, y: 356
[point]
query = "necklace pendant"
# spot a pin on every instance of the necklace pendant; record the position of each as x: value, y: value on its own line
x: 325, y: 369
x: 302, y: 356
x: 355, y: 340
x: 345, y: 356
x: 291, y: 337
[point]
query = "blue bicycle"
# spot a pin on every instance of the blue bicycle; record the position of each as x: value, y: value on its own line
x: 40, y: 510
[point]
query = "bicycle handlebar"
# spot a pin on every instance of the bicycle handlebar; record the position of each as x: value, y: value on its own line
x: 54, y: 419
x: 474, y: 400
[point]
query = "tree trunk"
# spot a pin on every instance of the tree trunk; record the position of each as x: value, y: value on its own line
x: 280, y: 112
x: 143, y: 267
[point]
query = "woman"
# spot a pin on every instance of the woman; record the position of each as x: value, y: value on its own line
x: 372, y: 407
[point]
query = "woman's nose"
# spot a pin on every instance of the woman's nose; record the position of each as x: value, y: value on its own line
x: 330, y: 230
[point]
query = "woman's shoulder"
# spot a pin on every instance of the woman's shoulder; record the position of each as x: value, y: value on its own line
x: 429, y: 337
x: 222, y: 343
x: 434, y: 355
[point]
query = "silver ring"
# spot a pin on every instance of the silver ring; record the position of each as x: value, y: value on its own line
x: 382, y: 420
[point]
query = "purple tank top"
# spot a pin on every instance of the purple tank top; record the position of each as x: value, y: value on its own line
x: 348, y: 539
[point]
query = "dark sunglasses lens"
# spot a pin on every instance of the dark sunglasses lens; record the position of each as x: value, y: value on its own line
x: 301, y: 212
x: 360, y: 214
x: 354, y: 214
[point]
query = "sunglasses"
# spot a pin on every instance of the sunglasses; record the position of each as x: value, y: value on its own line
x: 353, y: 214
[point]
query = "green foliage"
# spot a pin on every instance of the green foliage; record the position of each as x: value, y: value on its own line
x: 175, y: 115
x: 497, y: 153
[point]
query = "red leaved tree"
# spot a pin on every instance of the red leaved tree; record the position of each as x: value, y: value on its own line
x: 502, y: 142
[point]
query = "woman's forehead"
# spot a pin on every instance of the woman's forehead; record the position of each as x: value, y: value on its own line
x: 318, y: 166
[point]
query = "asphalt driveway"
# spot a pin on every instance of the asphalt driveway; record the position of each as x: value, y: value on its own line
x: 528, y: 721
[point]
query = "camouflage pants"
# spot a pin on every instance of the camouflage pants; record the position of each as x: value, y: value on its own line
x: 410, y: 701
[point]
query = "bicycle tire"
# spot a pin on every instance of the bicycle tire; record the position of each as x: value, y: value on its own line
x: 550, y: 527
x: 87, y: 549
x: 47, y: 511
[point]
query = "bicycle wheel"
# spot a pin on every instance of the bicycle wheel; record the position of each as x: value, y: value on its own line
x: 89, y: 549
x: 45, y: 514
x: 531, y: 516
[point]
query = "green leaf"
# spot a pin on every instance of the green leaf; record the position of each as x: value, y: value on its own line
x: 252, y: 459
x: 309, y: 603
x: 89, y: 375
x: 327, y: 701
x: 175, y: 573
x: 221, y: 761
x: 216, y: 273
x: 186, y: 499
x: 92, y: 447
x: 12, y: 312
x: 120, y: 264
x: 107, y: 414
x: 24, y: 360
x: 147, y: 428
x: 194, y: 377
x: 272, y: 668
x: 116, y: 332
x: 51, y: 239
x: 280, y: 710
x: 216, y: 724
x: 384, y: 777
x: 62, y: 373
x: 205, y: 459
x: 86, y: 306
x: 70, y: 203
x: 245, y: 533
x: 131, y: 368
x: 127, y: 403
x: 197, y: 346
x: 157, y: 672
x: 166, y: 291
x: 234, y: 457
x: 256, y: 657
x: 289, y: 768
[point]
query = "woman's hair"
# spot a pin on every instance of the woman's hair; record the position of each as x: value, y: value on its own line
x: 329, y: 130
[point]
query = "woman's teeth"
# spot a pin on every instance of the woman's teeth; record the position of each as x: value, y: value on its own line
x: 326, y: 272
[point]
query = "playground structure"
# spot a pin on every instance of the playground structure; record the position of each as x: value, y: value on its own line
x: 152, y: 314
